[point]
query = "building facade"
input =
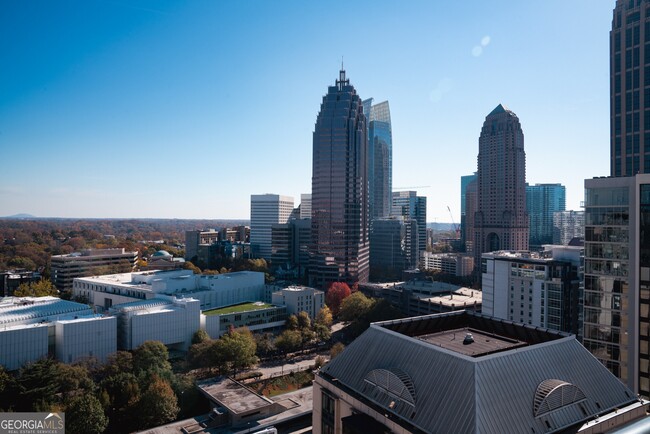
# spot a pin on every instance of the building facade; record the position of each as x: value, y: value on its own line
x: 617, y: 276
x: 300, y: 299
x: 542, y: 201
x: 380, y: 157
x: 456, y: 264
x: 65, y: 268
x: 540, y: 290
x: 340, y: 217
x: 267, y: 210
x: 501, y: 221
x: 393, y: 247
x: 568, y: 225
x: 629, y: 94
x: 467, y: 209
x: 411, y: 206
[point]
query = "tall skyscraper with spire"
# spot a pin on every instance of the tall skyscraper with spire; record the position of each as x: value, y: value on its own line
x: 340, y: 215
x: 501, y: 220
x: 629, y: 96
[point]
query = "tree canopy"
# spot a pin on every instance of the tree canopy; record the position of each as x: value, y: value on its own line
x: 336, y: 293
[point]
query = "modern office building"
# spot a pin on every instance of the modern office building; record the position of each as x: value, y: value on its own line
x: 542, y: 290
x: 463, y: 372
x: 455, y: 264
x: 501, y: 221
x: 193, y: 239
x: 467, y: 208
x: 380, y: 157
x: 299, y: 299
x: 411, y: 206
x: 290, y: 247
x: 542, y: 201
x: 393, y: 247
x: 617, y: 276
x: 32, y: 328
x: 267, y: 210
x: 305, y: 206
x: 340, y: 248
x: 629, y: 96
x: 568, y: 225
x: 65, y: 268
x: 256, y: 316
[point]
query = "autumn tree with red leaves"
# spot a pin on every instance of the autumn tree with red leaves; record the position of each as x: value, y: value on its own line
x: 336, y: 293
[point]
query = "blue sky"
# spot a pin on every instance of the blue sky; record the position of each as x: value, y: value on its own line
x: 174, y: 109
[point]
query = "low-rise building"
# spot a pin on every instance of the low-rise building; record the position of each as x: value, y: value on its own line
x: 32, y: 328
x: 300, y: 299
x: 10, y: 280
x: 450, y: 263
x: 463, y: 372
x: 65, y: 268
x: 257, y: 316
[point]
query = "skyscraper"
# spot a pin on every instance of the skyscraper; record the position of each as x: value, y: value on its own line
x: 411, y: 206
x: 380, y: 157
x: 267, y: 210
x: 339, y: 248
x: 542, y: 200
x: 467, y: 210
x: 501, y: 221
x: 629, y: 93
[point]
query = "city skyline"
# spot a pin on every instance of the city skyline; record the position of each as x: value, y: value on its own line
x: 179, y: 110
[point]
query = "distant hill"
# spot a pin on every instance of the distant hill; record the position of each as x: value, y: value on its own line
x: 20, y: 216
x: 441, y: 226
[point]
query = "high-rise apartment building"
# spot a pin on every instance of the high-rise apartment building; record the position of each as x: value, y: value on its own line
x: 267, y: 210
x: 380, y: 157
x: 501, y: 221
x: 629, y: 91
x: 542, y: 200
x: 617, y: 276
x: 465, y: 213
x: 340, y: 216
x: 411, y: 206
x: 568, y: 225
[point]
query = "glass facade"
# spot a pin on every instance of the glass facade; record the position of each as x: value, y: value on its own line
x: 630, y: 88
x: 411, y: 206
x: 644, y: 289
x: 542, y: 200
x: 607, y: 292
x: 340, y: 215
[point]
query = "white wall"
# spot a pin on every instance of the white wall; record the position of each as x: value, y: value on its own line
x: 86, y: 337
x: 22, y: 344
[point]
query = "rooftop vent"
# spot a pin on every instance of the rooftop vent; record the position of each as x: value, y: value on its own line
x: 468, y: 339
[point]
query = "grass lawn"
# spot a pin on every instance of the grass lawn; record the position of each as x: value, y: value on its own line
x: 243, y: 307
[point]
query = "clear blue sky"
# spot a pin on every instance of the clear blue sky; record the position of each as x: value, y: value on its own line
x: 178, y: 109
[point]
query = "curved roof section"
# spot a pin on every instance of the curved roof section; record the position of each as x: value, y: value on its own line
x: 393, y: 387
x: 554, y: 394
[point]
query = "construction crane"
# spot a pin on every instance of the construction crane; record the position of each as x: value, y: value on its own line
x: 456, y: 228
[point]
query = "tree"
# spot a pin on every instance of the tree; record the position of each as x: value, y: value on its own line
x: 84, y: 415
x: 323, y: 333
x: 200, y: 336
x: 200, y: 354
x: 324, y: 317
x: 304, y: 322
x: 289, y: 341
x: 336, y: 349
x: 38, y: 384
x: 292, y: 322
x: 355, y: 306
x: 41, y: 288
x: 158, y: 404
x: 336, y: 293
x: 151, y: 356
x: 264, y: 342
x: 235, y: 350
x: 121, y: 393
x: 189, y: 266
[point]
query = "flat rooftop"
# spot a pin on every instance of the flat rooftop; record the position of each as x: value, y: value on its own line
x: 483, y: 343
x: 234, y: 396
x: 242, y: 307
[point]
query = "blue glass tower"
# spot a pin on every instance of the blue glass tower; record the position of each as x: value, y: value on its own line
x: 380, y: 158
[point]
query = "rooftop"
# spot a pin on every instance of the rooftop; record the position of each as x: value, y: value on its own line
x: 471, y: 342
x: 242, y: 307
x: 14, y: 310
x: 234, y: 396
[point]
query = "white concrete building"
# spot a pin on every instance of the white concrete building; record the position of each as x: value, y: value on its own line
x: 305, y: 206
x: 267, y: 210
x: 540, y: 290
x: 257, y: 316
x: 450, y: 263
x: 33, y: 327
x: 300, y: 298
x: 169, y: 320
x: 212, y: 291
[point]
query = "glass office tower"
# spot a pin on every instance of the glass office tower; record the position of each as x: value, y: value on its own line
x: 339, y: 247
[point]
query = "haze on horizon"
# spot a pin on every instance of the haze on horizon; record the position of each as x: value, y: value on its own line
x: 170, y: 109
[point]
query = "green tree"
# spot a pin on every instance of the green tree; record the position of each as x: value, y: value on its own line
x: 304, y: 322
x: 158, y: 404
x: 84, y: 415
x: 38, y: 384
x: 8, y: 390
x: 151, y: 357
x: 200, y: 336
x: 292, y: 322
x: 235, y: 350
x: 122, y: 394
x: 323, y: 333
x: 200, y: 354
x: 289, y: 341
x: 73, y: 379
x: 41, y: 288
x: 355, y: 306
x: 336, y: 349
x: 264, y: 342
x: 324, y: 317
